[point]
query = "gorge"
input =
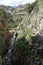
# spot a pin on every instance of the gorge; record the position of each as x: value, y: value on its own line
x: 21, y: 34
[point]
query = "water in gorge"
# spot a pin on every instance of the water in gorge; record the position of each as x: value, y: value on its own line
x: 7, y: 58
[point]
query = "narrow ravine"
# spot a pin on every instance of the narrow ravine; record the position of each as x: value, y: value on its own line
x: 7, y: 58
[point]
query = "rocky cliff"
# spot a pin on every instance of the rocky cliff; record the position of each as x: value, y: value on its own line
x: 34, y: 21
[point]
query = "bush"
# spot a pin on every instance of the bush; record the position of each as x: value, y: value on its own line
x: 23, y: 46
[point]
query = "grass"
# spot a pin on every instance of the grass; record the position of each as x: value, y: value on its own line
x: 24, y: 33
x: 12, y: 25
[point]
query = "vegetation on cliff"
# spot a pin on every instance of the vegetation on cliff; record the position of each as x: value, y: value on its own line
x: 26, y: 46
x: 31, y: 6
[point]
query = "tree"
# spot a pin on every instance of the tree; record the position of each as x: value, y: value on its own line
x: 31, y: 6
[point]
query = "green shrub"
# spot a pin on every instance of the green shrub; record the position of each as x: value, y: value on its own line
x: 23, y: 46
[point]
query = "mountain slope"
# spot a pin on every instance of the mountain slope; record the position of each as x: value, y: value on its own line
x: 14, y: 15
x: 28, y: 46
x: 34, y: 22
x: 31, y: 34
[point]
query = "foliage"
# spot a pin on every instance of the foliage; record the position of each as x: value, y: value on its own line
x: 23, y: 46
x: 12, y: 25
x: 21, y: 40
x: 27, y: 33
x: 19, y: 18
x: 31, y: 6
